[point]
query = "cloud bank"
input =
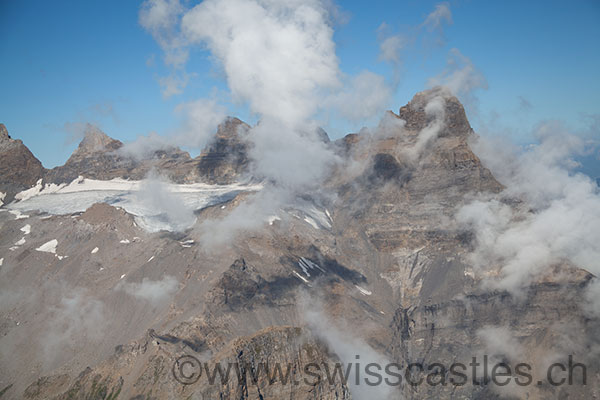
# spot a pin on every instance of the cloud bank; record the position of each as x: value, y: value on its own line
x: 556, y: 219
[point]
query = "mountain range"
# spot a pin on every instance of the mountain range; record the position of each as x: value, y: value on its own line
x: 372, y: 264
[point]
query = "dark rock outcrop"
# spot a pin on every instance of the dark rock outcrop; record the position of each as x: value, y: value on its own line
x: 225, y: 159
x: 19, y: 169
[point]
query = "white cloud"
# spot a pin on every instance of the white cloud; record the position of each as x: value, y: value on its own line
x: 277, y: 56
x: 440, y: 15
x: 499, y: 343
x: 166, y: 206
x: 350, y: 349
x: 460, y: 76
x: 390, y: 47
x: 155, y: 292
x: 200, y: 120
x: 173, y: 84
x: 161, y: 19
x: 559, y: 221
x: 366, y: 95
x: 77, y: 319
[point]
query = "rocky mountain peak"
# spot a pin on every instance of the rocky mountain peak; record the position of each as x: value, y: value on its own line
x: 4, y: 133
x: 231, y: 128
x: 225, y: 157
x: 95, y: 140
x: 425, y: 106
x: 19, y: 169
x: 7, y: 142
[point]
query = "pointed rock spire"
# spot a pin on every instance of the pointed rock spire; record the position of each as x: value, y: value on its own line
x: 95, y: 140
x: 4, y: 133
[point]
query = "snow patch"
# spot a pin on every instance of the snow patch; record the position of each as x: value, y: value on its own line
x: 122, y: 276
x: 300, y: 276
x: 187, y: 243
x: 363, y: 291
x: 1, y: 261
x: 306, y: 264
x: 49, y: 247
x: 13, y: 248
x: 310, y: 214
x: 95, y: 250
x: 311, y: 222
x: 125, y: 241
x: 2, y: 196
x: 18, y: 214
x: 324, y: 218
x: 20, y: 242
x: 150, y: 259
x: 28, y: 193
x: 26, y: 229
x: 272, y: 219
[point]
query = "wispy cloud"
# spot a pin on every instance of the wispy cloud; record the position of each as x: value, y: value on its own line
x: 438, y: 17
x: 557, y: 223
x: 155, y: 292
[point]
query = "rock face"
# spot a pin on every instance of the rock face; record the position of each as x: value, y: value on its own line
x: 19, y: 169
x: 380, y: 264
x: 225, y: 159
x: 455, y: 118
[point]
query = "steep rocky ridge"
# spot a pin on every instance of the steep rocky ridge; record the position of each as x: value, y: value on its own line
x: 98, y: 156
x: 19, y: 169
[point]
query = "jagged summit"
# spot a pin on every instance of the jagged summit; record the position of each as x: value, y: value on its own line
x: 4, y: 133
x: 6, y: 141
x: 98, y: 156
x: 423, y: 107
x: 95, y: 140
x: 225, y: 158
x: 231, y: 128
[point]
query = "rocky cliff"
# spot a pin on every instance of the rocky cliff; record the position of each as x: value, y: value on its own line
x: 19, y: 169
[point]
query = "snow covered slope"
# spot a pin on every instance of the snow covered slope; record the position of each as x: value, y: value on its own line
x: 156, y: 205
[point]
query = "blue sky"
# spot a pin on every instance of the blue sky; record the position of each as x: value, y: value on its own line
x: 78, y: 61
